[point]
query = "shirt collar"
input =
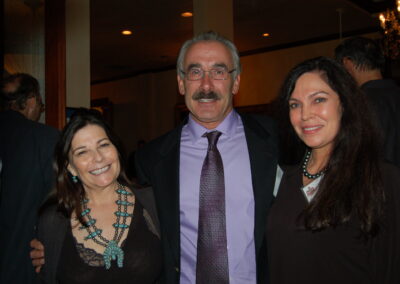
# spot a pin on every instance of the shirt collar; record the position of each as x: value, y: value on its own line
x: 227, y: 126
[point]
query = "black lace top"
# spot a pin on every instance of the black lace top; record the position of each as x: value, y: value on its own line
x: 142, y: 257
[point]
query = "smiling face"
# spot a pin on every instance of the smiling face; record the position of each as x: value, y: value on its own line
x: 208, y: 100
x: 93, y: 158
x: 315, y: 112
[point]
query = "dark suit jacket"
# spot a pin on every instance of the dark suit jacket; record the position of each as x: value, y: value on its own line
x: 383, y: 97
x: 26, y: 151
x: 158, y: 165
x: 52, y: 227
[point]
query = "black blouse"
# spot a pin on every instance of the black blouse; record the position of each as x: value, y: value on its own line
x: 142, y: 258
x: 334, y: 255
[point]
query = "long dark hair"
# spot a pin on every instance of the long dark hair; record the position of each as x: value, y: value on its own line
x: 352, y: 184
x: 70, y: 194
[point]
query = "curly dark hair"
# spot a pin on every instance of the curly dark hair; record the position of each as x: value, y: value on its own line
x: 352, y: 184
x: 68, y: 193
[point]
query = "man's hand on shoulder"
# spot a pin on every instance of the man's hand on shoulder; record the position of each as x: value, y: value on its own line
x: 37, y: 254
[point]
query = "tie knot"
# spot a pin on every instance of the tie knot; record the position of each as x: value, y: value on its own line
x: 212, y: 137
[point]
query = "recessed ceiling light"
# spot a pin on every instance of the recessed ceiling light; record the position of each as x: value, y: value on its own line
x: 126, y: 32
x: 187, y: 14
x: 265, y: 34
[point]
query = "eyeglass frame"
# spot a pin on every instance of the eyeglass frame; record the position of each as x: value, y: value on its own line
x: 207, y: 71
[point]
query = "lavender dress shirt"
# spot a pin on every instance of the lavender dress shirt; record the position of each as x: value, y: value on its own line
x: 238, y: 196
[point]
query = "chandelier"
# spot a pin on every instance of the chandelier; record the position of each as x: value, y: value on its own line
x: 390, y: 24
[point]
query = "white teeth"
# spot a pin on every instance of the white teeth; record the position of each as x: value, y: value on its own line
x: 206, y: 100
x: 311, y: 128
x: 99, y: 171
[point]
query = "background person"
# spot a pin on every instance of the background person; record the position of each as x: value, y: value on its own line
x: 26, y: 152
x: 97, y: 228
x: 364, y: 60
x: 336, y: 218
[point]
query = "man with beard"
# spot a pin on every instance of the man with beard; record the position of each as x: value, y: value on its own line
x: 240, y: 179
x: 208, y: 70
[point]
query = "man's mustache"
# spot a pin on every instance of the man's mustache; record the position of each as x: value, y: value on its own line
x: 208, y: 96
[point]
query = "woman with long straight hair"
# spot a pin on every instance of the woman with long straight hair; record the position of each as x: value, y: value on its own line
x: 336, y: 217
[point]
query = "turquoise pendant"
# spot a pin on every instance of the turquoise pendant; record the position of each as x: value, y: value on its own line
x: 88, y: 224
x: 113, y: 252
x: 124, y: 203
x: 85, y: 212
x: 124, y: 192
x: 93, y: 235
x: 122, y: 214
x: 121, y: 226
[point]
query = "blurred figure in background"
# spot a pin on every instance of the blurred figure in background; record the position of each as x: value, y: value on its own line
x: 364, y: 60
x: 26, y: 152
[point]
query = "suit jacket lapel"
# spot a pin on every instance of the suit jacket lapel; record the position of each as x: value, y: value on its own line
x: 263, y: 154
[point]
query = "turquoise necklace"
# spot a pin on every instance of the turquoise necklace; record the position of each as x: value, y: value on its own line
x: 112, y: 250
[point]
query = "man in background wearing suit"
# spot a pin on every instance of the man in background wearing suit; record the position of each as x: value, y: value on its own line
x: 26, y: 152
x: 208, y: 76
x: 364, y: 60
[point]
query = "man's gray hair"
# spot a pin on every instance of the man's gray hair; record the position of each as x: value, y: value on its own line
x: 209, y: 36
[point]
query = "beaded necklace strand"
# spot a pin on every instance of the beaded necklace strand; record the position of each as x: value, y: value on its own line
x: 305, y: 164
x: 112, y: 250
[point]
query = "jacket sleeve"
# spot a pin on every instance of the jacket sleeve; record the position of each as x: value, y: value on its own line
x: 51, y: 233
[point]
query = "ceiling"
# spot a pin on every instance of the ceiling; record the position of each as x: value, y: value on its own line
x: 159, y: 30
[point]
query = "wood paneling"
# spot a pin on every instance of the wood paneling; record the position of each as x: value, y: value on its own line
x: 55, y: 64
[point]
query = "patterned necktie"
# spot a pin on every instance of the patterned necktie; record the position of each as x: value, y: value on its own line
x: 212, y: 254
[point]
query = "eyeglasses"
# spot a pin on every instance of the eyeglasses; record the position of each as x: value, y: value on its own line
x: 196, y: 74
